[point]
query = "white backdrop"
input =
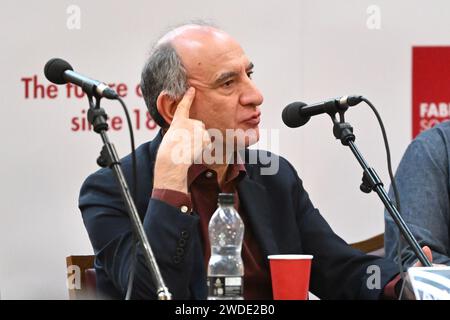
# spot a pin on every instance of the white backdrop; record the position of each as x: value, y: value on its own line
x: 305, y: 50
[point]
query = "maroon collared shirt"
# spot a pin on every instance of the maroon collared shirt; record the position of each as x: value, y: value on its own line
x: 202, y: 199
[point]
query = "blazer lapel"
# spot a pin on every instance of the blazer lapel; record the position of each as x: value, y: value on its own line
x: 154, y: 146
x: 253, y: 197
x: 153, y: 150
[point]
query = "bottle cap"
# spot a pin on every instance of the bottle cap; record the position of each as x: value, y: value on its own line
x: 226, y: 198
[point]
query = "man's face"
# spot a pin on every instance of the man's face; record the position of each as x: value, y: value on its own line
x: 226, y: 97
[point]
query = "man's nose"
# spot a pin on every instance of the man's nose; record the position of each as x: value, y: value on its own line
x: 251, y: 96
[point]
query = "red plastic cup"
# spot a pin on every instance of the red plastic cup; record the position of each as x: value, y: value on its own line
x: 290, y: 276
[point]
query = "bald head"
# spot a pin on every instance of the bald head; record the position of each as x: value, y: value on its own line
x: 164, y: 69
x: 190, y: 55
x: 188, y: 30
x: 197, y: 45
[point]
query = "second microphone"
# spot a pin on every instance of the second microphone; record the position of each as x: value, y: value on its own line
x: 297, y: 114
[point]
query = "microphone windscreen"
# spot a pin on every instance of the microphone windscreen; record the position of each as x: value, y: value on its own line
x: 291, y: 115
x: 54, y: 70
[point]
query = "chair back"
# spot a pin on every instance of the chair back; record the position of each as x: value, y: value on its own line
x: 81, y: 280
x: 374, y: 245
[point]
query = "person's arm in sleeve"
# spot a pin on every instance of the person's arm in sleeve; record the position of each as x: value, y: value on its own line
x: 423, y: 180
x: 167, y: 227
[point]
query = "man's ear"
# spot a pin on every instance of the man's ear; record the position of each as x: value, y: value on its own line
x: 166, y: 106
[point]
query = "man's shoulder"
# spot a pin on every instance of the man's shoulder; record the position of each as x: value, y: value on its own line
x: 434, y: 141
x: 142, y: 159
x: 103, y: 182
x: 438, y: 133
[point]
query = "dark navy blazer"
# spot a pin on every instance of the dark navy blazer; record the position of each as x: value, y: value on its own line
x: 279, y: 210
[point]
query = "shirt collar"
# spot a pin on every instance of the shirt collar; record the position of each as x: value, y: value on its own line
x: 235, y: 171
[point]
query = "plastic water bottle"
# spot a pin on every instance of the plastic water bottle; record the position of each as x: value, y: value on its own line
x: 225, y: 267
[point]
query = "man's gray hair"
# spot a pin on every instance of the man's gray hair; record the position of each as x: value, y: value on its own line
x: 163, y: 71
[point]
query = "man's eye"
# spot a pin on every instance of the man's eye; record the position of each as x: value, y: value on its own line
x: 228, y: 83
x: 249, y: 74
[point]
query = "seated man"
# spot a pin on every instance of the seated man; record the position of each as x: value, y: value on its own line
x: 423, y: 183
x: 197, y: 81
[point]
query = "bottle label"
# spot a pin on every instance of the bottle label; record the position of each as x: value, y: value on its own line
x: 225, y: 287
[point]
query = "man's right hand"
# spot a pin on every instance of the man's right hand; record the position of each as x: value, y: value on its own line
x: 183, y: 142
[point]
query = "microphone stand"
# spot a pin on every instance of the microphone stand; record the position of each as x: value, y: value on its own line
x: 109, y: 158
x: 371, y: 181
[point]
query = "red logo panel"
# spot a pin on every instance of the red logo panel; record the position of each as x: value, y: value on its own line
x: 430, y: 87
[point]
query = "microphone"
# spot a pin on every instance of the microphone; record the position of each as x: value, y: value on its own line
x: 297, y: 114
x: 60, y: 71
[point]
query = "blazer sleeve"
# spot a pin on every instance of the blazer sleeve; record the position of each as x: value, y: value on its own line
x: 171, y: 233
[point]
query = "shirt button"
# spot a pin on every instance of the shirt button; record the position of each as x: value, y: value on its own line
x: 181, y: 243
x: 209, y: 174
x: 184, y: 209
x: 184, y: 234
